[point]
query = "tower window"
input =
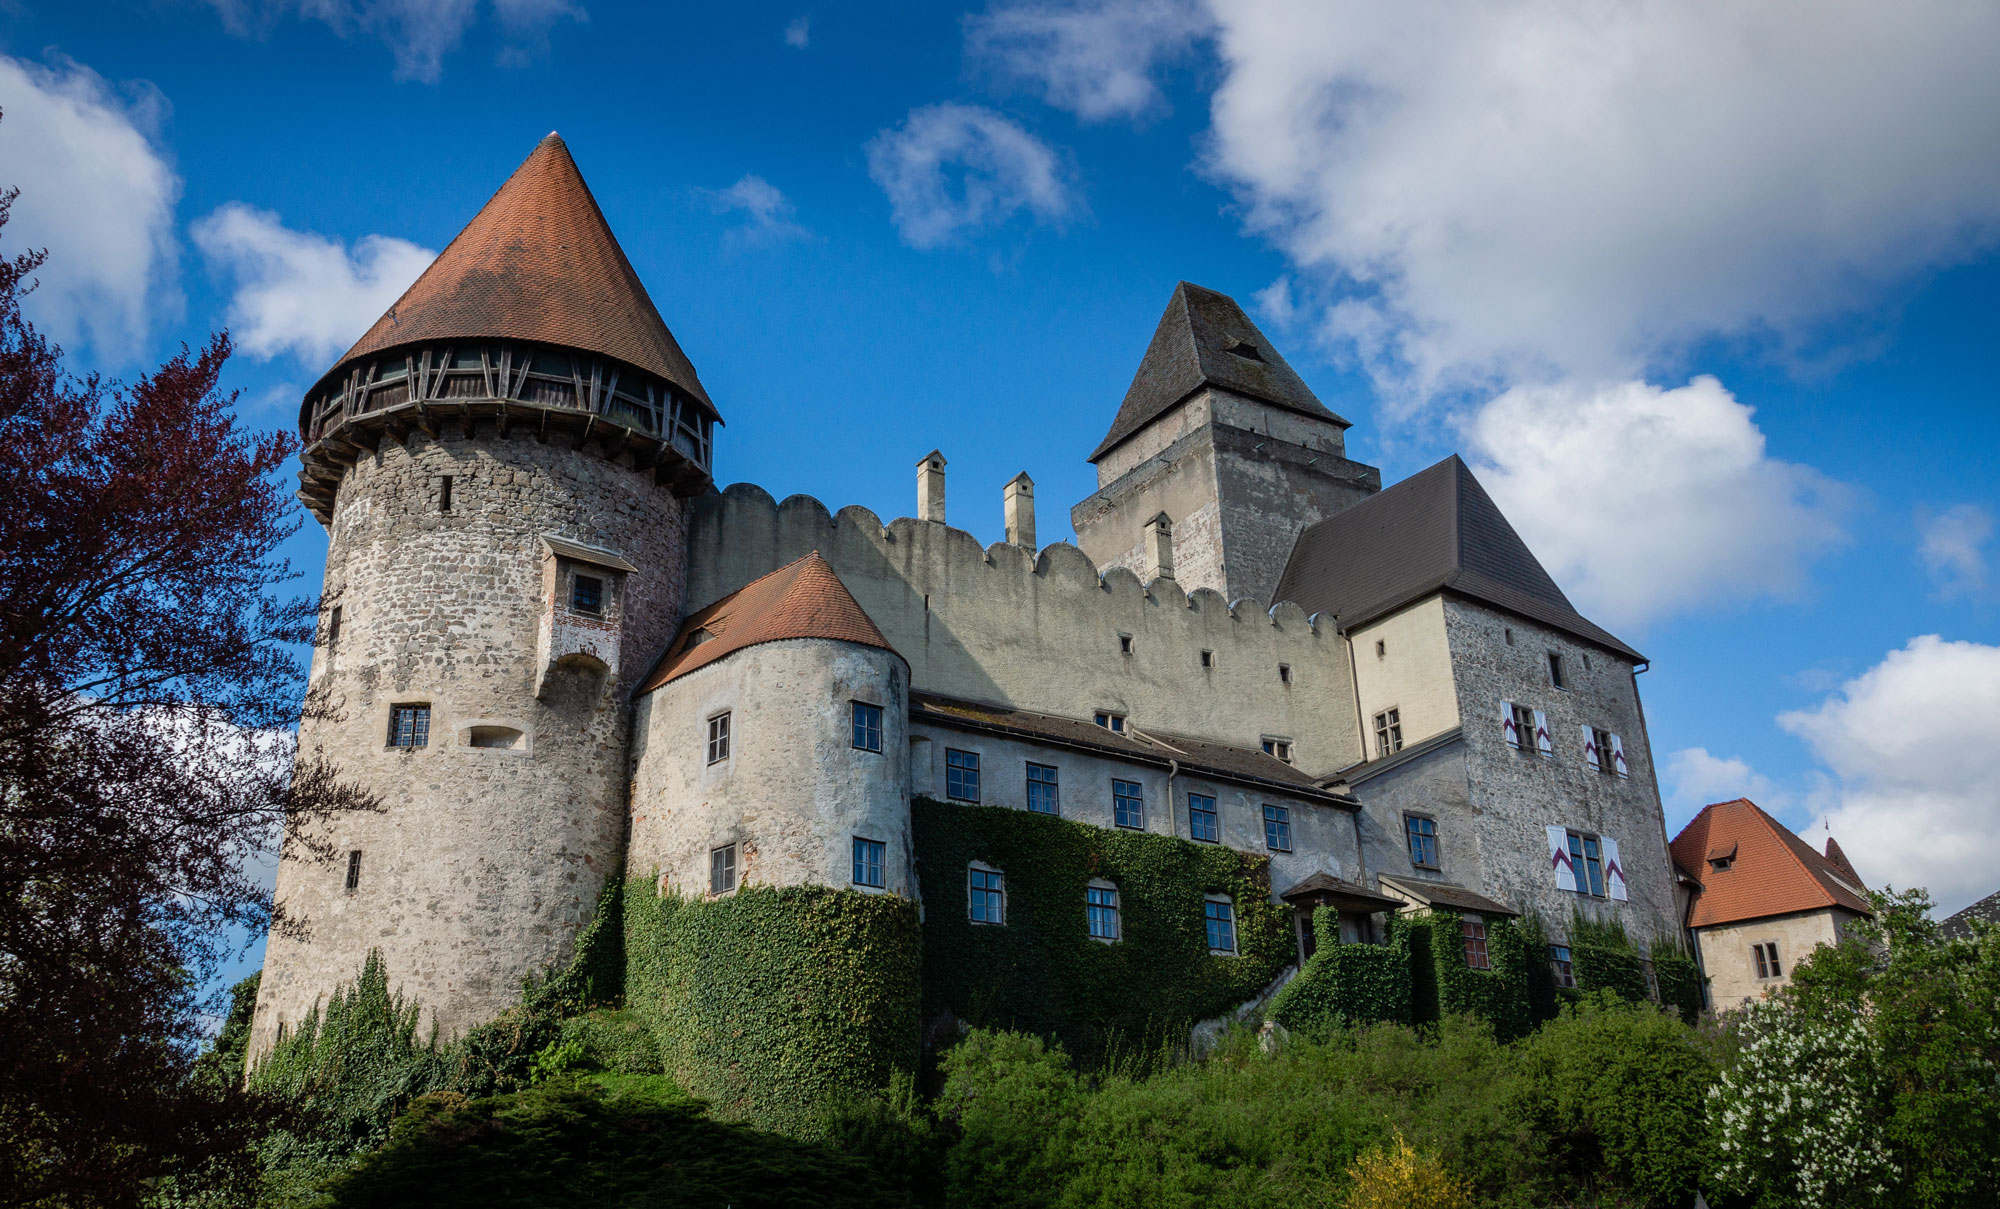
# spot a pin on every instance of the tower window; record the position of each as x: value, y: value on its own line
x: 867, y: 726
x: 1128, y: 804
x: 1277, y: 828
x: 586, y: 594
x: 353, y: 870
x: 333, y: 627
x: 1284, y: 673
x: 868, y: 860
x: 1202, y: 820
x: 718, y: 738
x: 444, y: 493
x: 1208, y: 658
x: 1381, y: 648
x: 722, y: 869
x: 961, y: 775
x: 409, y: 726
x: 1043, y: 795
x: 1125, y: 644
x: 1556, y: 671
x: 1388, y: 732
x: 1508, y: 634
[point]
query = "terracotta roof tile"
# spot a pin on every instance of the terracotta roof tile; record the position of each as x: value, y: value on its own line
x: 1773, y: 872
x: 802, y: 599
x: 538, y: 262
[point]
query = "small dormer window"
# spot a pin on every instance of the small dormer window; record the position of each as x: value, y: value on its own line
x: 696, y: 639
x: 1245, y: 350
x: 1110, y: 721
x: 1721, y: 862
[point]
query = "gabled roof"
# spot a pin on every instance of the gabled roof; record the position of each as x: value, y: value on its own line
x: 1444, y: 894
x: 1324, y: 888
x: 538, y: 262
x: 1771, y: 871
x: 802, y: 599
x: 1191, y: 349
x: 1435, y: 531
x: 1959, y: 926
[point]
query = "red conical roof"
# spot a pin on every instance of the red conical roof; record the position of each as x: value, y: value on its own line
x: 802, y: 599
x: 538, y: 262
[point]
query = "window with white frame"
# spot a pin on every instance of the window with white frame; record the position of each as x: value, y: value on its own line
x: 986, y: 895
x: 718, y: 738
x: 1101, y: 905
x: 1044, y: 796
x: 1128, y: 804
x: 961, y: 775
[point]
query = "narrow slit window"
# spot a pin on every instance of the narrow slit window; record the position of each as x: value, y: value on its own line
x: 1125, y: 644
x: 1208, y: 658
x: 333, y: 627
x: 444, y: 493
x: 1284, y: 673
x: 353, y: 870
x: 1556, y: 671
x: 1381, y: 648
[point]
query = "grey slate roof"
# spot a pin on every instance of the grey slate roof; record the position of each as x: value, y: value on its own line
x: 1445, y: 894
x: 1190, y: 350
x: 1437, y: 530
x: 1959, y: 926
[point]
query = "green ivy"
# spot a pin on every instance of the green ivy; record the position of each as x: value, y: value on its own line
x: 1346, y: 984
x: 1042, y: 972
x: 1679, y: 979
x: 1444, y: 985
x: 771, y: 1003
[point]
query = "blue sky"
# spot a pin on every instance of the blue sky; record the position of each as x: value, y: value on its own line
x: 1705, y: 292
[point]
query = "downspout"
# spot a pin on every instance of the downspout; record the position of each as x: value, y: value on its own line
x: 1173, y: 811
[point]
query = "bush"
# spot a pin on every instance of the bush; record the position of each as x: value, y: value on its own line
x: 1399, y: 1176
x: 1347, y: 984
x: 611, y: 1040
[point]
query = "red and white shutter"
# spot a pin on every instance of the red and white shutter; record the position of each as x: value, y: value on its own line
x: 1614, y: 873
x: 1590, y: 747
x: 1559, y: 858
x: 1508, y: 730
x: 1618, y: 757
x: 1544, y: 742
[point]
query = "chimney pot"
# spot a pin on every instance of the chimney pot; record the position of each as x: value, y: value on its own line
x: 930, y: 487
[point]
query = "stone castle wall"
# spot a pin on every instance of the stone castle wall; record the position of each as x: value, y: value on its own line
x: 1004, y: 625
x: 485, y: 859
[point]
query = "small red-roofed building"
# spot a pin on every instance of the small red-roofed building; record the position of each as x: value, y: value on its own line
x: 1761, y: 898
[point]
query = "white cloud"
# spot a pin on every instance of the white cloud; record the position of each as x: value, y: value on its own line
x: 950, y: 170
x: 1536, y: 189
x: 1641, y: 501
x: 419, y: 33
x: 299, y: 292
x: 1695, y: 779
x: 767, y: 210
x: 1952, y: 545
x: 798, y: 35
x: 1914, y: 745
x: 1095, y: 58
x: 98, y: 195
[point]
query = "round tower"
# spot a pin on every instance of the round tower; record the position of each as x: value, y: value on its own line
x: 501, y: 463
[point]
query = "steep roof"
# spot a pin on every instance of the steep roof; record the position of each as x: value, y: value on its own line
x: 538, y: 262
x: 1772, y: 871
x: 1191, y: 349
x: 1437, y: 530
x: 802, y: 599
x: 1959, y: 926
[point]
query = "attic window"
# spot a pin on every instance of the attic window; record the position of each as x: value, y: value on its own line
x: 1244, y: 350
x: 696, y: 639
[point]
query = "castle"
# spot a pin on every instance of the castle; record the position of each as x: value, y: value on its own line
x: 560, y: 655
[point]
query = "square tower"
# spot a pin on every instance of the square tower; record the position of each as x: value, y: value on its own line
x: 1221, y: 436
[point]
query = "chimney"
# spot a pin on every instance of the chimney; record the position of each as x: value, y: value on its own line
x: 930, y: 487
x: 1159, y: 548
x: 1021, y: 511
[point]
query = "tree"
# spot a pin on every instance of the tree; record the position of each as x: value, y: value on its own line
x: 148, y: 686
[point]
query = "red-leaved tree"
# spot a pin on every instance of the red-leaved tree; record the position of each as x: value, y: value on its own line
x: 149, y: 685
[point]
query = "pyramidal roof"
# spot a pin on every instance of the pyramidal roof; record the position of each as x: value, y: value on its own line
x: 1205, y: 339
x: 1435, y: 531
x: 802, y: 599
x: 1771, y: 871
x: 538, y: 262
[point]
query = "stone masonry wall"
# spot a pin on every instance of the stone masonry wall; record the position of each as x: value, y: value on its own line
x: 1516, y: 794
x: 1002, y: 625
x: 485, y: 860
x: 794, y: 792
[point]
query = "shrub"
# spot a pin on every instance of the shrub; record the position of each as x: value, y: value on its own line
x: 1346, y: 984
x: 1398, y: 1176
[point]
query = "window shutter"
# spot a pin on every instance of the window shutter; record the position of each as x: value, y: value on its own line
x: 1507, y: 728
x: 1544, y: 742
x: 1618, y: 756
x: 1590, y: 747
x: 1559, y: 858
x: 1614, y: 873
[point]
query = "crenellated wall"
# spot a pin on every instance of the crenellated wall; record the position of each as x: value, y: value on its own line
x: 1005, y: 625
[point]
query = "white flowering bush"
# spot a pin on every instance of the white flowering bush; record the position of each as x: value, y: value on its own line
x: 1799, y: 1111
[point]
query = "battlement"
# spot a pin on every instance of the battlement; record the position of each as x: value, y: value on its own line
x: 1046, y: 630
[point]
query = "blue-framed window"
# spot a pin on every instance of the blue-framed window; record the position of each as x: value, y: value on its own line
x: 961, y: 775
x: 1203, y: 822
x: 1043, y: 795
x: 1128, y: 804
x: 1587, y: 859
x: 1221, y: 920
x: 1423, y: 833
x: 409, y: 726
x: 986, y: 896
x: 1102, y: 906
x: 868, y: 856
x: 867, y: 726
x: 1277, y: 828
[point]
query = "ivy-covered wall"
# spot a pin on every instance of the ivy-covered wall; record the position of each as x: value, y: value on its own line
x: 1443, y: 985
x: 1348, y: 983
x: 1041, y: 972
x: 771, y: 1004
